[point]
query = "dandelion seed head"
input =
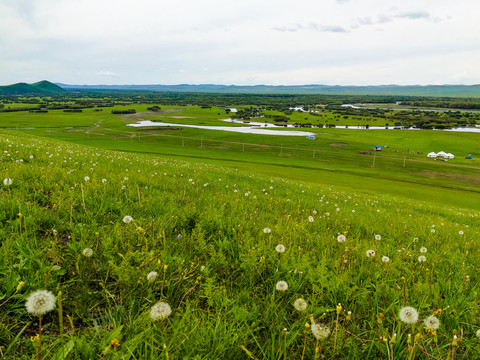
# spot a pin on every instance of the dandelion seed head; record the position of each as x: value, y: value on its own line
x: 422, y: 258
x: 280, y: 248
x: 319, y: 331
x: 311, y: 219
x: 423, y: 250
x: 408, y: 315
x: 86, y: 178
x: 267, y: 230
x: 151, y: 276
x: 341, y: 238
x: 432, y: 323
x: 160, y: 311
x: 385, y: 259
x: 40, y: 302
x: 87, y: 252
x: 378, y: 237
x: 281, y: 286
x: 7, y: 181
x: 300, y: 304
x: 370, y: 253
x: 127, y: 219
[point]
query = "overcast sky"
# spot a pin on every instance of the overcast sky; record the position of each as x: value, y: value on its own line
x: 243, y: 42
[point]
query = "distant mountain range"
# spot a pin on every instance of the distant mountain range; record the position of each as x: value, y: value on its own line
x: 428, y: 90
x: 45, y: 87
x: 39, y: 88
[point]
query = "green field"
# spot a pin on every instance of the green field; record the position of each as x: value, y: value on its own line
x: 209, y: 209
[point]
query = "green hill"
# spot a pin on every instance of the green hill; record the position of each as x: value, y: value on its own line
x: 38, y: 88
x: 118, y: 236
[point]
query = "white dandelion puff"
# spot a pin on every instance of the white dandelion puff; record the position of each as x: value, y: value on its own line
x: 267, y: 230
x: 432, y: 323
x: 311, y: 219
x: 300, y: 305
x: 319, y: 331
x: 86, y: 178
x: 104, y: 181
x: 385, y: 259
x: 478, y: 334
x: 87, y: 252
x: 280, y: 248
x: 408, y: 315
x: 152, y: 275
x: 460, y: 232
x: 422, y: 258
x: 370, y: 253
x: 281, y: 286
x: 40, y: 302
x: 127, y: 219
x: 160, y: 311
x: 378, y: 237
x: 423, y: 250
x: 7, y: 181
x: 341, y: 238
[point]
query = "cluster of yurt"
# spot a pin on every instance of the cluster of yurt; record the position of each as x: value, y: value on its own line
x: 441, y: 154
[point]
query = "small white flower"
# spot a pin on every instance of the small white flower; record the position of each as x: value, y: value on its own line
x: 160, y: 311
x: 104, y: 181
x: 87, y: 252
x: 385, y: 259
x: 127, y: 219
x: 280, y: 248
x: 370, y: 253
x: 432, y: 231
x: 310, y: 218
x: 281, y: 286
x: 40, y: 302
x: 151, y: 276
x: 341, y: 238
x: 267, y: 230
x: 300, y: 304
x: 7, y: 181
x: 460, y: 232
x: 422, y: 258
x: 408, y: 315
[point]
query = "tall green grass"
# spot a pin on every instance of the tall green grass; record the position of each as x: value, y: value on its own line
x: 202, y: 229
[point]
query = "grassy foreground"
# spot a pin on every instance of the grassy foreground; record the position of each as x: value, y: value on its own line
x: 203, y: 239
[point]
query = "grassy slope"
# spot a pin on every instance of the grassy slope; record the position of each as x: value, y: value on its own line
x: 207, y: 221
x: 454, y: 183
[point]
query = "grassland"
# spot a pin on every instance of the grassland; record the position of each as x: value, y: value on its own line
x: 208, y: 211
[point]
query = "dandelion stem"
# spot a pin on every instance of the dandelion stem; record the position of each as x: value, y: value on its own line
x: 39, y: 354
x: 304, y: 347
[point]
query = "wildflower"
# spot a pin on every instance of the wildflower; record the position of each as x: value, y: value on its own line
x: 432, y: 231
x: 385, y: 259
x: 160, y: 311
x: 408, y: 315
x: 310, y: 218
x: 87, y: 252
x: 40, y: 302
x: 423, y: 250
x: 378, y: 237
x: 281, y: 286
x: 127, y: 219
x: 179, y: 236
x: 104, y: 181
x: 339, y: 308
x: 460, y: 232
x: 7, y: 181
x: 341, y: 238
x: 432, y: 323
x: 267, y: 230
x: 280, y: 248
x: 422, y: 258
x: 319, y: 331
x: 152, y: 275
x: 139, y: 228
x: 370, y: 253
x: 114, y: 343
x: 300, y: 304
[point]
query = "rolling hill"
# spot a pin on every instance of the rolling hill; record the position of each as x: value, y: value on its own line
x: 41, y: 87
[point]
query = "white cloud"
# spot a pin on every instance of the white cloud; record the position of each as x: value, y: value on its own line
x: 107, y: 73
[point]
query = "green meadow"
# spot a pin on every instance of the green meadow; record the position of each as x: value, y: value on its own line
x: 113, y: 220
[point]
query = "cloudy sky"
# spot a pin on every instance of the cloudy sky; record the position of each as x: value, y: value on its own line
x: 243, y: 42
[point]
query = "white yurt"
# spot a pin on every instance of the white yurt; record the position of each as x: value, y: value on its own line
x: 441, y: 153
x: 432, y: 155
x: 449, y: 156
